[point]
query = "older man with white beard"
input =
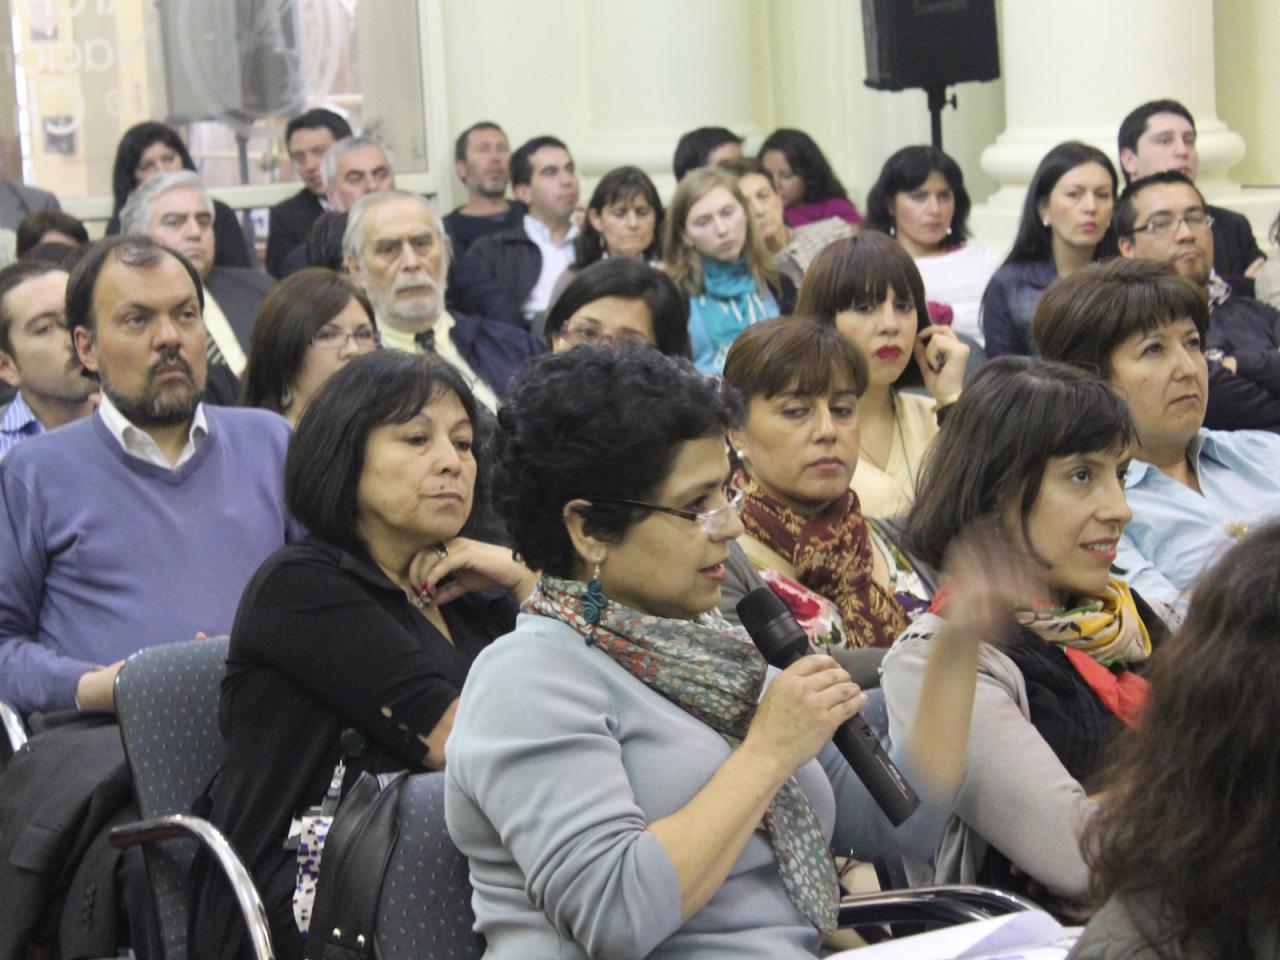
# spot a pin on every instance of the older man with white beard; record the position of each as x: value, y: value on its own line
x: 397, y: 249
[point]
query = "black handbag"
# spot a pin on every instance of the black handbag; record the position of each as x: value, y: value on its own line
x: 352, y: 866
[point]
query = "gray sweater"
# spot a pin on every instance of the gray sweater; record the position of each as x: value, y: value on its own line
x: 558, y: 761
x: 1016, y: 795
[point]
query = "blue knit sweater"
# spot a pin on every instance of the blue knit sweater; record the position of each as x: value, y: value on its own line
x: 103, y: 554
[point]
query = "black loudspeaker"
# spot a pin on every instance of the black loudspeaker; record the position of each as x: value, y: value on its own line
x: 929, y: 43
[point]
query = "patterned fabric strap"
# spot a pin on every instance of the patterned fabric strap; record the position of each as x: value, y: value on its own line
x: 831, y: 555
x: 713, y: 672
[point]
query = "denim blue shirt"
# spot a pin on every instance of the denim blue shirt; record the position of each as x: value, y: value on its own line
x: 1176, y: 534
x: 1009, y: 303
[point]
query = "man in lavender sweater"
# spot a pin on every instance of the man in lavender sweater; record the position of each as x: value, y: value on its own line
x: 140, y: 524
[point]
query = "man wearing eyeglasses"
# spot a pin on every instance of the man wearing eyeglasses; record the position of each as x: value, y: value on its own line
x: 1160, y: 135
x: 1164, y: 217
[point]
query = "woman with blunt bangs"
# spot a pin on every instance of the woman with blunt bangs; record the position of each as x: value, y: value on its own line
x: 714, y: 253
x: 624, y: 219
x: 351, y: 645
x: 921, y: 200
x: 869, y: 289
x: 308, y: 327
x: 150, y: 148
x: 805, y: 535
x: 1065, y: 224
x: 617, y: 781
x: 1184, y: 849
x: 1035, y: 453
x: 802, y: 175
x: 620, y: 301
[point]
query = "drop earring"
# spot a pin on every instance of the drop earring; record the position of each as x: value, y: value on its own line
x: 594, y: 603
x: 893, y: 228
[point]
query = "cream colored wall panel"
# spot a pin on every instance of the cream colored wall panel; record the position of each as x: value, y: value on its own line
x: 1247, y: 45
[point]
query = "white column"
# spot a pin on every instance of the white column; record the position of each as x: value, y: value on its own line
x: 618, y: 81
x: 1074, y: 68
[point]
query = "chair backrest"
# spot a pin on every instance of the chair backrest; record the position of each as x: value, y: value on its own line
x: 167, y: 704
x: 424, y: 909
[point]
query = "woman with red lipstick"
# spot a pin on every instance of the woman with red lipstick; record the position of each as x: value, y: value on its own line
x: 714, y: 253
x: 805, y: 535
x: 352, y: 644
x: 1066, y: 223
x: 615, y: 777
x: 920, y: 199
x: 869, y: 289
x: 1037, y: 451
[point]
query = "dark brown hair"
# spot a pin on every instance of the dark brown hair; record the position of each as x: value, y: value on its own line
x: 12, y: 277
x: 288, y: 318
x: 792, y: 353
x: 1014, y: 416
x: 1081, y: 319
x: 326, y: 453
x: 859, y: 272
x: 1189, y: 802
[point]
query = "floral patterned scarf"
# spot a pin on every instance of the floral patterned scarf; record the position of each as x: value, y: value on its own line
x: 1102, y: 639
x: 831, y: 555
x: 713, y: 672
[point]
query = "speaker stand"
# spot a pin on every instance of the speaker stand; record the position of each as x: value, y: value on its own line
x: 937, y: 101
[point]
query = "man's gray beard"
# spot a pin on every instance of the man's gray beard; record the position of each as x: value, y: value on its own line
x: 493, y: 193
x: 405, y: 319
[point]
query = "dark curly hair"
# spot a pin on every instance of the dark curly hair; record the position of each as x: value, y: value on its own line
x: 594, y: 422
x: 1188, y: 815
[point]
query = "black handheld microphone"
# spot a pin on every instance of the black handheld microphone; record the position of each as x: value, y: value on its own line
x: 782, y: 642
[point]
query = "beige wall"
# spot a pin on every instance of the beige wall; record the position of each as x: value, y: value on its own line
x: 620, y: 80
x: 1247, y: 46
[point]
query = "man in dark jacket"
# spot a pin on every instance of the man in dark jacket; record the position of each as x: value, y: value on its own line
x: 1164, y: 217
x: 1161, y: 135
x: 308, y: 138
x: 509, y: 276
x: 395, y: 248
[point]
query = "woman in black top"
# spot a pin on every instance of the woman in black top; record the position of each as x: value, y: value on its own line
x: 370, y: 624
x: 147, y: 149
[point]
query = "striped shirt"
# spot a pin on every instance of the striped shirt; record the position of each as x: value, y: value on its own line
x: 17, y: 423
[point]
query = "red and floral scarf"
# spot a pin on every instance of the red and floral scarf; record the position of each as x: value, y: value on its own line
x: 831, y: 555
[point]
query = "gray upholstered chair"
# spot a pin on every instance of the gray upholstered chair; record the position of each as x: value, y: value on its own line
x: 167, y: 704
x: 425, y: 906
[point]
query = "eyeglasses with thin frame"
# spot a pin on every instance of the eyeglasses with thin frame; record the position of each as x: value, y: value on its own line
x: 1163, y: 223
x: 331, y: 338
x: 590, y: 335
x: 710, y: 522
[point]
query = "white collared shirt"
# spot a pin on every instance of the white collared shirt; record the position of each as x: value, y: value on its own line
x: 556, y: 257
x: 138, y: 443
